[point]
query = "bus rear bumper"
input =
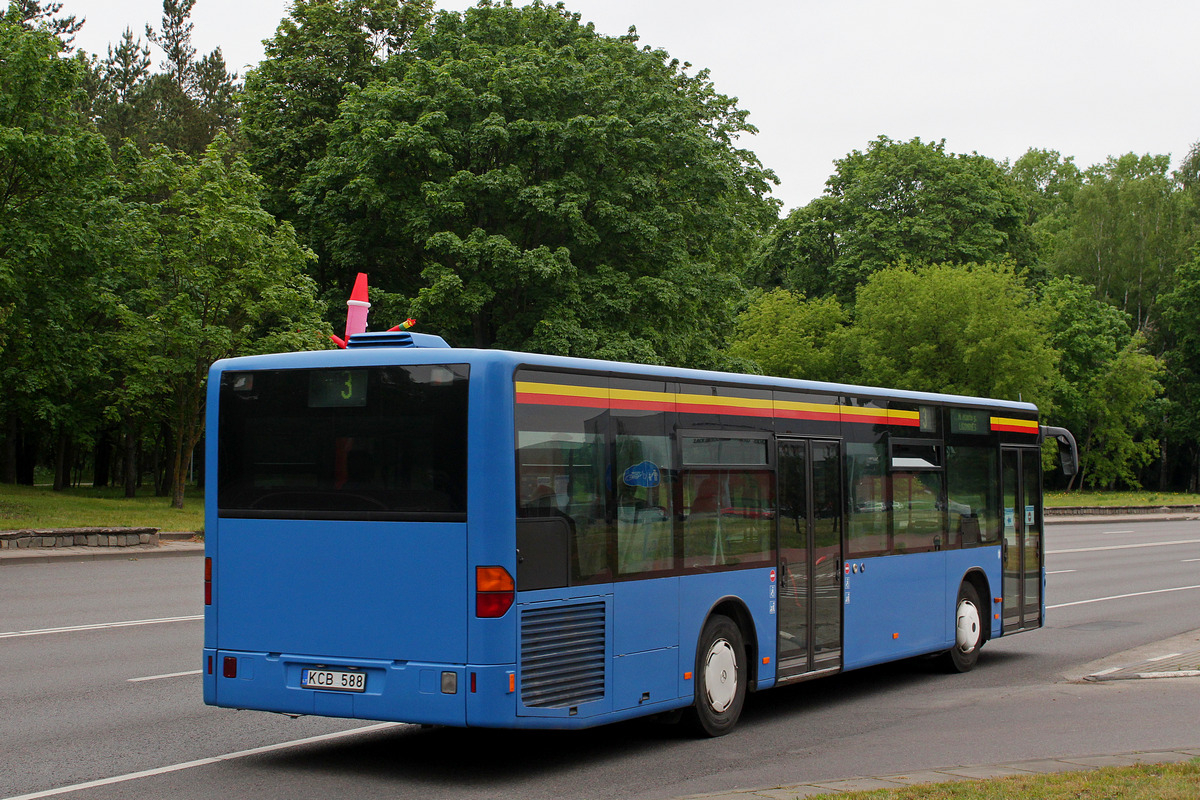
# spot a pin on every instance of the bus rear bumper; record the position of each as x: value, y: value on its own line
x: 400, y: 691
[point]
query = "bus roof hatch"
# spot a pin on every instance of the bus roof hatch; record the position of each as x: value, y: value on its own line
x: 395, y: 339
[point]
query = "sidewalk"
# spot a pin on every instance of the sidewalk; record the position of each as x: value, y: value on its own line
x: 171, y: 545
x: 957, y: 773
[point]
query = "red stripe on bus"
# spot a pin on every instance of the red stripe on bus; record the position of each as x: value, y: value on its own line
x: 643, y: 405
x: 881, y: 418
x: 704, y: 408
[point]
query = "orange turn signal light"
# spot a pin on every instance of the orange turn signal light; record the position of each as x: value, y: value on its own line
x: 495, y: 592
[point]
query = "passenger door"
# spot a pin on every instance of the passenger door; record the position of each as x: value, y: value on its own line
x: 810, y: 557
x: 1022, y: 544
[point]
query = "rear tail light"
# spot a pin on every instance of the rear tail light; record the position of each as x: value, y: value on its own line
x: 494, y: 592
x: 208, y: 581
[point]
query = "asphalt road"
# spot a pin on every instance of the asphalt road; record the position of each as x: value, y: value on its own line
x: 100, y: 701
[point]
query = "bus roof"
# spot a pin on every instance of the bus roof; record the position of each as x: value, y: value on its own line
x: 384, y: 355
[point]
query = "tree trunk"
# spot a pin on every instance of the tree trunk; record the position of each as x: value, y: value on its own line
x: 178, y: 470
x: 479, y: 330
x: 189, y: 429
x: 1162, y: 464
x: 27, y: 456
x: 12, y: 434
x: 162, y: 465
x: 102, y: 460
x: 131, y: 462
x: 62, y: 463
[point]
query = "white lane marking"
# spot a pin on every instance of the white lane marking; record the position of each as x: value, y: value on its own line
x: 167, y: 675
x: 1179, y: 673
x: 1114, y: 533
x: 1124, y: 546
x: 99, y: 626
x: 1189, y: 560
x: 1163, y: 658
x: 1122, y: 596
x: 201, y: 762
x: 1059, y: 571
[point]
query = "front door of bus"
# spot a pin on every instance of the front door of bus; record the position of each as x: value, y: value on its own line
x: 810, y: 557
x: 1021, y: 552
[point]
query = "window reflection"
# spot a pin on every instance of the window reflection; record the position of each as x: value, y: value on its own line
x: 645, y: 520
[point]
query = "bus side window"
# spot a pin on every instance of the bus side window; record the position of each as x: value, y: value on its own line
x: 868, y: 497
x: 645, y: 507
x: 916, y: 511
x: 562, y: 475
x: 729, y: 517
x: 728, y: 499
x: 974, y: 502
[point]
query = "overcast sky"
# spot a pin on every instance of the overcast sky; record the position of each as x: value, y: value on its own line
x: 823, y: 77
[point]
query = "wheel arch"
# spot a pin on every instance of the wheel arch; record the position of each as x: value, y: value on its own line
x: 979, y: 580
x: 735, y: 609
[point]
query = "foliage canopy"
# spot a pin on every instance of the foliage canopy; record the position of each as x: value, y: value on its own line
x: 529, y: 183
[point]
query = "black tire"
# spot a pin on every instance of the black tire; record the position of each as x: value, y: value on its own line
x: 969, y: 619
x: 720, y: 678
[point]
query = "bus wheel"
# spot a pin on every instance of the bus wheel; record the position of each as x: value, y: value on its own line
x: 968, y: 631
x: 720, y: 678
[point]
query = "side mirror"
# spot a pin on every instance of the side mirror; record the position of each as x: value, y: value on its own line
x: 1068, y: 451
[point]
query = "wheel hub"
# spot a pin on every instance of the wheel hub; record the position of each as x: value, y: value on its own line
x: 720, y: 675
x: 967, y: 632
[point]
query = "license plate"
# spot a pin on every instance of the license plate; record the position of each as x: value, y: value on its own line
x: 333, y: 680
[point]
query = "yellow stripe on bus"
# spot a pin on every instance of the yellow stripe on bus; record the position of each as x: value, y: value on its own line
x: 1027, y: 425
x: 767, y: 405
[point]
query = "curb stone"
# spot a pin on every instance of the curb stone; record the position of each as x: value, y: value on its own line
x: 75, y: 554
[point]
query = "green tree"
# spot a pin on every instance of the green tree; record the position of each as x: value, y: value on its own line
x: 1051, y: 183
x: 120, y: 108
x: 1188, y: 175
x: 45, y: 15
x: 1180, y: 312
x: 968, y: 330
x: 54, y: 216
x: 1127, y: 231
x: 530, y: 183
x: 1050, y: 178
x: 217, y: 277
x: 1106, y: 383
x: 190, y: 101
x: 292, y: 97
x: 800, y: 253
x: 790, y: 336
x: 898, y: 201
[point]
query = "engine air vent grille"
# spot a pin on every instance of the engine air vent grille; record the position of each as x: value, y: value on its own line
x: 562, y: 655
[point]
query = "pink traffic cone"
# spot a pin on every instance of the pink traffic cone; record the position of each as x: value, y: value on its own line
x: 357, y: 307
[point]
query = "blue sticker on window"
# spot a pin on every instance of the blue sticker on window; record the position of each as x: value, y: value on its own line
x: 644, y: 474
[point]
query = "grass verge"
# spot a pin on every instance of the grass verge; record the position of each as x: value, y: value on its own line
x: 1106, y: 499
x: 41, y: 507
x: 1143, y: 782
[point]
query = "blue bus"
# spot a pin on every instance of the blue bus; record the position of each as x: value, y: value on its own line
x: 406, y: 531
